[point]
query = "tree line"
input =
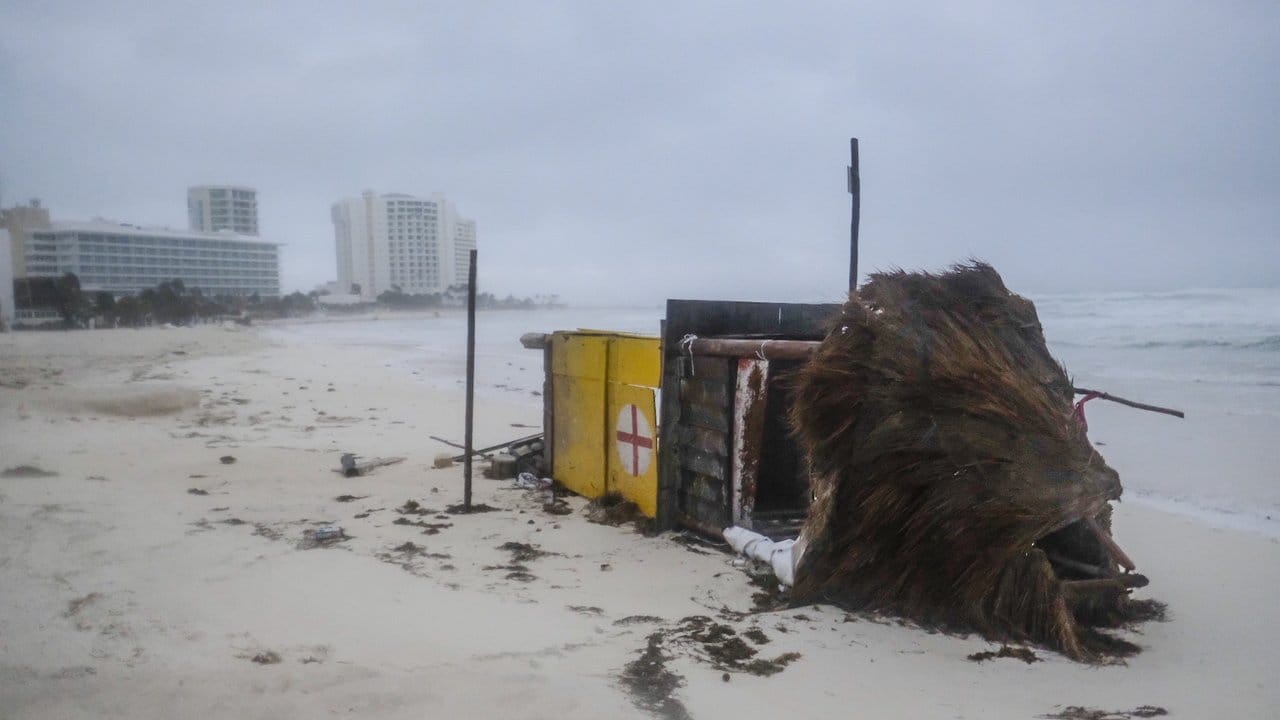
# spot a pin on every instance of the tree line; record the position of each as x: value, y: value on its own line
x: 172, y: 302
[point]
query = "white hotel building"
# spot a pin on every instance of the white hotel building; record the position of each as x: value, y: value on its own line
x: 211, y: 208
x: 419, y: 245
x: 126, y: 259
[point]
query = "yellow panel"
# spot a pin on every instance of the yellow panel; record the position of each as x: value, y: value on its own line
x: 632, y: 445
x: 635, y: 360
x: 578, y: 396
x: 579, y: 355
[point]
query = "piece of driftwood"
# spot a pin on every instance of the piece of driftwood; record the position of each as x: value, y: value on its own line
x: 1141, y: 406
x: 484, y: 450
x: 353, y: 466
x: 450, y: 443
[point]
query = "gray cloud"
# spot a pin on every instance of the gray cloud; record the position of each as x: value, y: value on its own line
x: 623, y: 153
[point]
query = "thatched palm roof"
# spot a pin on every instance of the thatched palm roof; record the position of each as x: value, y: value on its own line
x: 951, y: 483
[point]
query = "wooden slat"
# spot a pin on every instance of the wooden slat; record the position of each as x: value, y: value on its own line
x: 713, y: 392
x: 702, y: 417
x: 701, y: 486
x: 704, y: 463
x: 705, y: 439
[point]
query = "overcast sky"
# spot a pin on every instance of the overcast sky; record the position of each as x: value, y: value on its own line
x: 628, y: 152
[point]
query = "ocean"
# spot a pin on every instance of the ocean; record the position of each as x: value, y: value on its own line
x: 1214, y: 354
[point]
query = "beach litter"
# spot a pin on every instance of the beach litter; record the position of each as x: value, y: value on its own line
x: 352, y: 466
x: 26, y: 471
x: 323, y: 536
x: 1076, y: 712
x: 529, y: 481
x: 776, y: 555
x: 227, y: 459
x: 269, y: 657
x: 615, y: 510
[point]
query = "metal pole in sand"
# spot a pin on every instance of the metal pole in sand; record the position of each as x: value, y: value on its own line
x: 471, y: 380
x: 855, y: 189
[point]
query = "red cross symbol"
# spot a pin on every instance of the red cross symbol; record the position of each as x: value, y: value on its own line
x: 633, y: 435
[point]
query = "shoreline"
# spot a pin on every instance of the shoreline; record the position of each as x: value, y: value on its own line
x: 128, y: 595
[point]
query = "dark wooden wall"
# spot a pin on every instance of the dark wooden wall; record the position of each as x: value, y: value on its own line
x: 697, y: 402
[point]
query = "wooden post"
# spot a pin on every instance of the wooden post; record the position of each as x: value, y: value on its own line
x: 471, y: 380
x: 855, y: 189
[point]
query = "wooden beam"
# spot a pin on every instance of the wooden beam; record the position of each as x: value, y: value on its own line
x: 759, y: 349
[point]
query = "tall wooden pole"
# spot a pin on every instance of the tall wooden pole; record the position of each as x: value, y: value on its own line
x: 855, y: 189
x: 471, y: 380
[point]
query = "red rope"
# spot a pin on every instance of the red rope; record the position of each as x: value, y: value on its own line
x: 1078, y: 414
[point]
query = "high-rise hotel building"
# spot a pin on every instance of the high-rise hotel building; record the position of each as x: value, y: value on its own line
x: 419, y: 245
x: 211, y: 208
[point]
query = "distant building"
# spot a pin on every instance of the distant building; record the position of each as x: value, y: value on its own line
x: 125, y: 259
x: 211, y: 208
x: 464, y: 241
x: 330, y: 288
x: 6, y: 282
x: 418, y: 245
x: 20, y: 221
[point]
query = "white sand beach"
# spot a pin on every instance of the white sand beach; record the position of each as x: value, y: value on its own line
x: 146, y: 578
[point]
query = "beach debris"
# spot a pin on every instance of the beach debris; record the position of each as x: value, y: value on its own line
x: 720, y: 646
x: 637, y: 620
x: 409, y: 548
x: 1099, y: 395
x: 1076, y: 712
x: 523, y: 552
x: 529, y: 481
x: 353, y: 466
x: 442, y: 460
x: 75, y: 606
x: 227, y: 459
x: 322, y: 536
x: 951, y: 484
x: 501, y: 467
x: 26, y: 471
x: 349, y: 498
x: 614, y: 510
x: 556, y: 507
x: 270, y: 657
x: 476, y: 508
x: 427, y: 527
x: 484, y: 451
x: 651, y: 685
x: 326, y: 532
x: 197, y: 491
x: 413, y: 507
x: 451, y: 443
x: 1005, y: 651
x: 776, y: 555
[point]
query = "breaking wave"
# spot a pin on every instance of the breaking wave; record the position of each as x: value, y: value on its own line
x: 1268, y: 343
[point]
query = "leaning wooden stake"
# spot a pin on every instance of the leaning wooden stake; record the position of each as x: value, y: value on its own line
x: 471, y: 380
